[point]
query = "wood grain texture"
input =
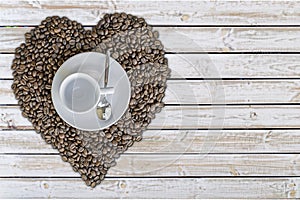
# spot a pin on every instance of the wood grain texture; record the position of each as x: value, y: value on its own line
x: 159, y: 165
x: 195, y: 117
x: 152, y: 188
x: 199, y: 39
x: 252, y: 160
x: 215, y: 66
x: 211, y: 92
x: 234, y: 65
x: 162, y: 12
x: 175, y: 141
x: 5, y: 64
x: 241, y: 117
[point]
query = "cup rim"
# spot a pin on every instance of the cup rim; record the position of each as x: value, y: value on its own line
x: 91, y: 80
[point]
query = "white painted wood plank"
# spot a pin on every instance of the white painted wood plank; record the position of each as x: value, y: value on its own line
x: 152, y: 188
x: 232, y: 91
x: 215, y: 65
x: 6, y: 92
x: 234, y: 65
x: 261, y: 39
x: 195, y: 117
x: 162, y: 12
x: 200, y: 39
x: 228, y: 117
x: 176, y: 141
x: 23, y: 142
x: 211, y: 91
x: 159, y: 165
x: 5, y: 64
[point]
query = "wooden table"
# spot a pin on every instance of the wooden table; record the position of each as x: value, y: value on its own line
x: 231, y: 125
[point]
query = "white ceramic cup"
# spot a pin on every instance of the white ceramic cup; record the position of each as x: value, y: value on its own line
x: 79, y: 92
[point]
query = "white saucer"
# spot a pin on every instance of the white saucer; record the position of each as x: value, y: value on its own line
x: 92, y: 63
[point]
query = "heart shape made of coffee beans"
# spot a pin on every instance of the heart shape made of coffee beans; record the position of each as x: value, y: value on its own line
x: 133, y: 43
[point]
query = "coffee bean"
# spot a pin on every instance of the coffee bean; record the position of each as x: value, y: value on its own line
x: 93, y: 173
x: 64, y: 158
x: 39, y: 68
x: 78, y: 45
x: 93, y: 184
x: 72, y: 42
x: 84, y: 177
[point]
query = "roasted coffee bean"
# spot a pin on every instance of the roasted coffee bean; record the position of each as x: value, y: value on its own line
x: 84, y: 177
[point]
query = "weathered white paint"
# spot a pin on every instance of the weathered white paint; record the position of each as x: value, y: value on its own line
x: 151, y: 188
x: 159, y: 165
x: 195, y: 117
x: 234, y: 65
x: 176, y: 12
x: 211, y: 91
x: 175, y: 141
x: 200, y: 39
x: 215, y: 65
x: 178, y: 39
x: 5, y: 64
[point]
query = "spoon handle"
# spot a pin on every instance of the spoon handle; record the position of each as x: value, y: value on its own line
x: 106, y: 68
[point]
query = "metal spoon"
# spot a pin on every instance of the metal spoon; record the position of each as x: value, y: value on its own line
x: 103, y: 106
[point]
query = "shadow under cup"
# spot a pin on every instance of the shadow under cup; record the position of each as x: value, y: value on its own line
x: 79, y: 92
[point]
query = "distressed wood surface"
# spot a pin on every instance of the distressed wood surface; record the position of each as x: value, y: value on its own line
x: 156, y: 12
x: 211, y: 91
x: 159, y: 165
x: 212, y: 40
x: 195, y: 117
x: 152, y: 188
x: 175, y: 141
x: 199, y: 39
x: 216, y: 66
x: 5, y: 64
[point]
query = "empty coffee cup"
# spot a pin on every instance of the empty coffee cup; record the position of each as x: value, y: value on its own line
x: 79, y: 92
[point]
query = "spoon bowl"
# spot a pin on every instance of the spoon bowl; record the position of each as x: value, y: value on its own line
x: 103, y: 109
